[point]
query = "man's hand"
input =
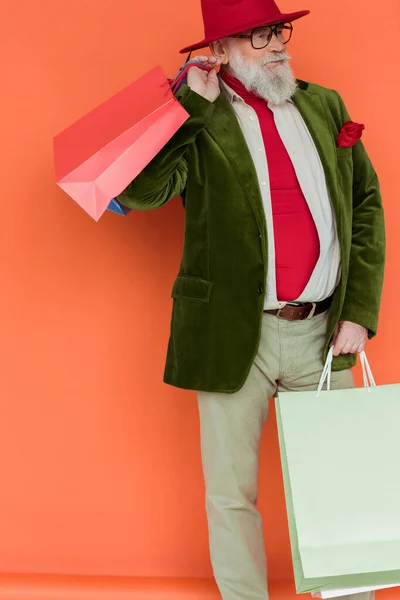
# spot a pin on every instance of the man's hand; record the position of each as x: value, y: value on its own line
x: 205, y: 83
x: 349, y: 338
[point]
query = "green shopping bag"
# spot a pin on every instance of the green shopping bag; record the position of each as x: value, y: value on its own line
x: 340, y: 453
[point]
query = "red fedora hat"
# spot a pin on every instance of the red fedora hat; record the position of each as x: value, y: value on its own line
x: 223, y: 18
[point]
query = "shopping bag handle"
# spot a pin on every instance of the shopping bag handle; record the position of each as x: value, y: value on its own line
x: 369, y: 381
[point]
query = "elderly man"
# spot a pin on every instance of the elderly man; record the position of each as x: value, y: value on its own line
x: 283, y: 256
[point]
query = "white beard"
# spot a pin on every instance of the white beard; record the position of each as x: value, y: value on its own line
x: 275, y: 85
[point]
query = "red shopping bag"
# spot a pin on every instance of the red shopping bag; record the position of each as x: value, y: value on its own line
x: 99, y: 155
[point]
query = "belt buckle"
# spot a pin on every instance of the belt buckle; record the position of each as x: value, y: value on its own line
x: 278, y: 312
x: 309, y: 316
x: 312, y: 311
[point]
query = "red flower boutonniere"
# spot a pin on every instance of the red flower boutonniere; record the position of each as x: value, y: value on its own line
x: 349, y: 134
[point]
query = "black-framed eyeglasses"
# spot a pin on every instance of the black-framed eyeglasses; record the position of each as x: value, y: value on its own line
x: 261, y: 36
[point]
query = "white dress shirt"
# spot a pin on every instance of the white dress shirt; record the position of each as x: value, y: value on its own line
x: 310, y: 174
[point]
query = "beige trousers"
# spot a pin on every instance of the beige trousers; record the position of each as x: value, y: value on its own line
x: 289, y: 358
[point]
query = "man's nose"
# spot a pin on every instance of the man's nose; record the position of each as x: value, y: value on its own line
x: 275, y: 44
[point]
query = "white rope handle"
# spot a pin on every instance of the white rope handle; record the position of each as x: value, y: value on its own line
x: 326, y: 373
x: 369, y: 381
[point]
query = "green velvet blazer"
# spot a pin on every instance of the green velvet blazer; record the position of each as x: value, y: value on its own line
x: 218, y: 295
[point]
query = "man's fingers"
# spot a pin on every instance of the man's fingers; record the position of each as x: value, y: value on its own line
x: 348, y: 338
x: 354, y: 347
x: 346, y: 346
x: 339, y: 345
x: 212, y: 60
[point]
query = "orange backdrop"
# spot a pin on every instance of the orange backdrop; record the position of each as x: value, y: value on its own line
x: 99, y: 460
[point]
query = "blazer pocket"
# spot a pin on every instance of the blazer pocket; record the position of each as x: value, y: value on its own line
x: 189, y: 287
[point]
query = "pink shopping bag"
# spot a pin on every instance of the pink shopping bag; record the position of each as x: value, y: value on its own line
x: 98, y: 156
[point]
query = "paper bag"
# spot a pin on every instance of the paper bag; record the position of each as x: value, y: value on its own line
x: 348, y: 592
x: 340, y: 456
x: 118, y: 208
x: 97, y: 157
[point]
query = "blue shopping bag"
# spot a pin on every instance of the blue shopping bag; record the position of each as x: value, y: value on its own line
x: 116, y: 207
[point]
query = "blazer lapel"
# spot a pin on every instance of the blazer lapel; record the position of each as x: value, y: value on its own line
x: 318, y: 119
x: 225, y: 130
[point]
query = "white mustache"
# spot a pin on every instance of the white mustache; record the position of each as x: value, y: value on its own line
x: 276, y: 58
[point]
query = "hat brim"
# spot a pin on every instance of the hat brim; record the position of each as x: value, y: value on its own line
x: 284, y: 18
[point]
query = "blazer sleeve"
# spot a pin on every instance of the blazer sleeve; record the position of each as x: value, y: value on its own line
x: 165, y: 176
x: 368, y: 243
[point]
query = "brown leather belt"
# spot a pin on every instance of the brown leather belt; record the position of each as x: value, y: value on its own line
x: 300, y: 312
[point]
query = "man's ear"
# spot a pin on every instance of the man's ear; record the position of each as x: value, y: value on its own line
x: 219, y: 50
